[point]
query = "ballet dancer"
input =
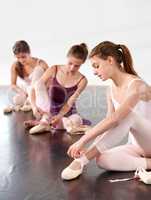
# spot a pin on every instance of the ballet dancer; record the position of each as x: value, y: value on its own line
x: 57, y: 91
x: 27, y: 70
x: 129, y: 112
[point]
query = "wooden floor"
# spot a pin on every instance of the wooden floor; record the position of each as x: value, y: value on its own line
x: 30, y: 166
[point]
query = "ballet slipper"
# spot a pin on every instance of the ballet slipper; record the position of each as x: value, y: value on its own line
x: 70, y: 174
x: 40, y: 128
x: 26, y: 108
x: 30, y: 123
x: 143, y: 175
x: 79, y: 130
x: 8, y: 109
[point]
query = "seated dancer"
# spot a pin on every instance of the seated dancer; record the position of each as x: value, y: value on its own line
x: 27, y: 70
x: 129, y: 112
x: 56, y: 93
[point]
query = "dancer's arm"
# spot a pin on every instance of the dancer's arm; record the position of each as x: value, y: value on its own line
x: 67, y: 106
x: 114, y: 119
x: 49, y: 74
x: 37, y: 74
x: 41, y: 87
x: 111, y: 121
x: 14, y: 76
x: 110, y: 106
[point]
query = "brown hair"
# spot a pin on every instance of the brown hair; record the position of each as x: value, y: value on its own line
x: 118, y: 51
x: 20, y: 46
x: 79, y: 51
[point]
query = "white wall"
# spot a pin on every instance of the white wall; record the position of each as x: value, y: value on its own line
x: 52, y: 26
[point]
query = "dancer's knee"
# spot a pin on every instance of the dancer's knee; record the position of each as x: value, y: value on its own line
x: 19, y: 99
x: 76, y: 120
x: 72, y: 121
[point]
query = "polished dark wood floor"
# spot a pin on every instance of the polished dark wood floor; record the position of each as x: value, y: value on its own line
x: 30, y: 166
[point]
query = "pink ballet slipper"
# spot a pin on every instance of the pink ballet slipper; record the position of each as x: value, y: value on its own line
x: 39, y: 129
x: 30, y: 123
x: 8, y: 109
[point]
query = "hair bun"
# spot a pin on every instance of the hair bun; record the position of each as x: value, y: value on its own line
x: 84, y: 45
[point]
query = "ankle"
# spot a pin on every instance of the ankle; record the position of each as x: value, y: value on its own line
x: 83, y: 160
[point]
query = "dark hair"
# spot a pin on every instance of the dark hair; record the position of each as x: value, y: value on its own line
x: 20, y: 46
x: 79, y: 51
x: 118, y: 51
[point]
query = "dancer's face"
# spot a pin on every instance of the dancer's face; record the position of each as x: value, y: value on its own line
x: 23, y: 58
x: 73, y: 64
x: 102, y: 68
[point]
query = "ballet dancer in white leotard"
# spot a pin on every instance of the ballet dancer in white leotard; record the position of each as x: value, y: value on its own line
x: 26, y: 70
x: 129, y: 112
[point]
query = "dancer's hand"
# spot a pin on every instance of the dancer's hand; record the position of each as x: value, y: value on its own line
x: 36, y: 112
x: 76, y: 149
x: 55, y: 120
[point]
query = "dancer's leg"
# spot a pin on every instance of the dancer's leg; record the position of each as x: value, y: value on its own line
x: 115, y: 135
x: 74, y: 124
x: 19, y: 99
x: 123, y: 158
x: 42, y: 97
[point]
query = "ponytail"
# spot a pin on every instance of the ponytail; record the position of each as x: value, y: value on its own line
x: 119, y: 52
x: 127, y: 60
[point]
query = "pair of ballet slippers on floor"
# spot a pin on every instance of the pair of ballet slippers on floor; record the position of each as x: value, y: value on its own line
x: 24, y: 108
x: 140, y: 174
x: 72, y: 124
x: 45, y: 127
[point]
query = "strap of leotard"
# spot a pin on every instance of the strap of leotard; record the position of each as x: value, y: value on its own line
x: 80, y: 79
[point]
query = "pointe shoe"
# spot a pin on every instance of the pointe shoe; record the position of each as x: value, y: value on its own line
x: 69, y: 174
x: 25, y: 108
x: 143, y: 175
x: 8, y: 109
x: 40, y: 128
